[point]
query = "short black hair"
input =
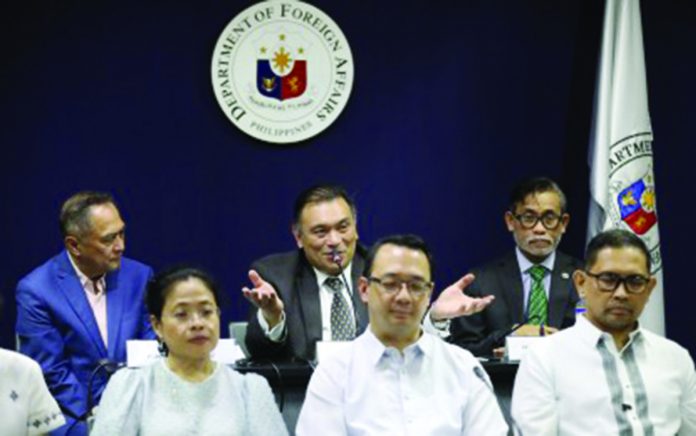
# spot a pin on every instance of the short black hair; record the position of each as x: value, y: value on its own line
x: 159, y: 286
x: 320, y: 194
x: 414, y: 242
x: 535, y: 185
x: 615, y: 238
x: 74, y: 213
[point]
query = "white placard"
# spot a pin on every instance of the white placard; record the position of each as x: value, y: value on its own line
x: 141, y: 352
x: 227, y: 352
x: 327, y: 348
x: 516, y: 346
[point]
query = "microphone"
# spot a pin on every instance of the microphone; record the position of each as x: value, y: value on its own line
x: 109, y: 367
x: 336, y: 258
x: 519, y: 326
x: 500, y: 336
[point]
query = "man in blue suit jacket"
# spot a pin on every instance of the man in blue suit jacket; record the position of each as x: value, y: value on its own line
x: 79, y: 308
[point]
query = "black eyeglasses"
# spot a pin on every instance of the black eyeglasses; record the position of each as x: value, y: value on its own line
x: 609, y: 282
x: 528, y: 220
x: 416, y: 288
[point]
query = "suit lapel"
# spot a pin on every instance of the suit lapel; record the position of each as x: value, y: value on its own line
x: 114, y: 312
x: 309, y: 302
x: 513, y: 291
x: 560, y: 288
x: 71, y: 288
x: 360, y: 308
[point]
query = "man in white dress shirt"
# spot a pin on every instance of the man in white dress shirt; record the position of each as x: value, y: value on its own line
x: 606, y: 375
x: 394, y: 379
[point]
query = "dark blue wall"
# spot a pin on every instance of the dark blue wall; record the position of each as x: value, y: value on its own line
x: 452, y: 103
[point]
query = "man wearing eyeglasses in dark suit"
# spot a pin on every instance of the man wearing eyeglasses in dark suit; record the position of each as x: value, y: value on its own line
x: 532, y: 284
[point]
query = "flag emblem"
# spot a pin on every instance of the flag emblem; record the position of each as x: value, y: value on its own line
x: 637, y: 205
x: 281, y: 71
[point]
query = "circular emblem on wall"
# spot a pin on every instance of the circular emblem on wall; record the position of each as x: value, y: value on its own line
x: 282, y: 71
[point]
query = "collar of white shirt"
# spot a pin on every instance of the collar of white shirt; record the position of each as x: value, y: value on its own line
x: 525, y: 264
x: 590, y: 334
x: 322, y: 276
x: 374, y: 351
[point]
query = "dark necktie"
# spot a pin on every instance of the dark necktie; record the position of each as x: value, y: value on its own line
x: 537, y: 312
x: 342, y: 325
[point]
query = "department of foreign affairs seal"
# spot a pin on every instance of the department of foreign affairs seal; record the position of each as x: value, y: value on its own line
x: 282, y: 71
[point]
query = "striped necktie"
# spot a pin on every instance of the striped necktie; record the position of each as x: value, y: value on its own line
x: 537, y: 311
x: 342, y: 325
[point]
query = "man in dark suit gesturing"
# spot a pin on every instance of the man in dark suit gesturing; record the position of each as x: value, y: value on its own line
x: 81, y: 306
x: 295, y: 290
x: 532, y: 285
x: 308, y: 295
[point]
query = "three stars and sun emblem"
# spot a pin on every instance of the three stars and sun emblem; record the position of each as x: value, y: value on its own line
x: 281, y: 59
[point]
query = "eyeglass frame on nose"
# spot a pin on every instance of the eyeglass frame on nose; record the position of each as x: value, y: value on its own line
x: 618, y: 279
x: 545, y: 216
x: 389, y: 290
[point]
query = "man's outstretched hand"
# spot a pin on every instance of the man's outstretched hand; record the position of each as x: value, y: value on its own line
x: 453, y: 302
x: 263, y: 295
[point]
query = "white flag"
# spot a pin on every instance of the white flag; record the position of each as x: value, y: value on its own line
x: 622, y: 184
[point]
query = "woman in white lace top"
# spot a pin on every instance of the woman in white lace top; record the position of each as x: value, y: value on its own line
x: 186, y: 393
